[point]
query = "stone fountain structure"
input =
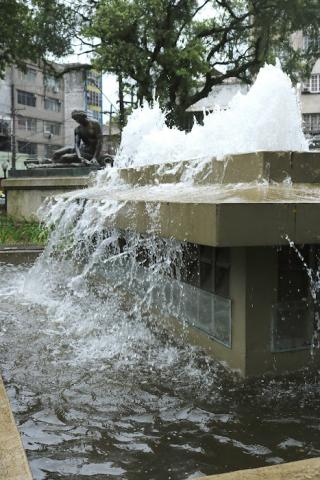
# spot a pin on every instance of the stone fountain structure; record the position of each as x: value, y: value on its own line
x: 254, y: 305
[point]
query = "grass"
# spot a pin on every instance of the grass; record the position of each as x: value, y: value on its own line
x: 14, y: 232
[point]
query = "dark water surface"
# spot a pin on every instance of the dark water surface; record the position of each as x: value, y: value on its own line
x: 99, y: 392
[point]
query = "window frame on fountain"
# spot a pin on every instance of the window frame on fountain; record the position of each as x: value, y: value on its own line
x: 208, y: 269
x: 197, y: 293
x: 295, y: 309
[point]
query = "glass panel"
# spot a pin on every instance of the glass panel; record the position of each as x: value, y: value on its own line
x: 26, y: 123
x: 190, y: 305
x: 292, y: 326
x: 206, y: 312
x: 26, y: 98
x: 314, y: 83
x: 307, y: 122
x: 202, y: 309
x: 52, y: 127
x: 52, y: 104
x: 222, y: 320
x: 207, y: 276
x: 27, y: 147
x: 53, y: 83
x: 293, y: 283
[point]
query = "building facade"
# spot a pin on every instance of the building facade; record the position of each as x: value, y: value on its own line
x: 83, y: 91
x: 310, y: 94
x: 36, y: 106
x: 31, y: 111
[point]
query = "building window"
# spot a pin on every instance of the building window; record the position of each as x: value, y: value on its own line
x: 292, y: 327
x: 52, y: 104
x: 4, y: 128
x: 94, y: 114
x: 28, y: 148
x: 94, y: 79
x: 27, y: 123
x: 292, y: 317
x: 5, y: 141
x: 27, y: 98
x: 214, y: 270
x: 315, y: 83
x: 52, y: 127
x: 50, y: 149
x: 311, y: 123
x: 205, y: 276
x: 94, y: 98
x: 293, y: 282
x: 30, y: 75
x: 52, y: 83
x: 311, y: 43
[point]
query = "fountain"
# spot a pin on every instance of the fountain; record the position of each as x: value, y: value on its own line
x: 232, y: 281
x: 177, y: 258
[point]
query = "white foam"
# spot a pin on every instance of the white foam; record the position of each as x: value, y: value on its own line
x: 267, y: 118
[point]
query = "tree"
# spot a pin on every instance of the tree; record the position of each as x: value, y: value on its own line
x: 34, y: 29
x: 173, y: 54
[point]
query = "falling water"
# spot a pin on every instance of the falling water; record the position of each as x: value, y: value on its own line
x: 314, y: 287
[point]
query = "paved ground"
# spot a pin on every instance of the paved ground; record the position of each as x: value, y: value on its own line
x: 302, y: 470
x: 13, y: 460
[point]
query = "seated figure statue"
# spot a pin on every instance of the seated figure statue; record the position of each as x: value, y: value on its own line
x: 87, y: 143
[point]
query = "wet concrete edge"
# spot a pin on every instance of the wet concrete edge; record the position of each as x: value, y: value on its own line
x: 300, y: 470
x: 13, y: 460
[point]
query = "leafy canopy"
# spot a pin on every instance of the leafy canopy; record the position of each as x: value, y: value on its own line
x: 34, y: 29
x: 172, y: 50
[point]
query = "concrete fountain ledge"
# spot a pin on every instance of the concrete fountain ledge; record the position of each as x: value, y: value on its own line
x: 302, y: 470
x: 25, y: 195
x: 13, y: 460
x: 256, y: 199
x: 300, y: 167
x: 279, y: 195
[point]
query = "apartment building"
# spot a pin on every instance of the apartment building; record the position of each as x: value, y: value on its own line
x: 33, y: 100
x: 310, y: 94
x: 83, y: 91
x: 38, y: 102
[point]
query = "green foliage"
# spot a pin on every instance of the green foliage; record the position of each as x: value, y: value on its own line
x: 25, y: 233
x: 33, y: 29
x: 174, y: 54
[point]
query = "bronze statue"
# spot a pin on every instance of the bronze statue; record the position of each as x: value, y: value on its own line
x: 87, y: 143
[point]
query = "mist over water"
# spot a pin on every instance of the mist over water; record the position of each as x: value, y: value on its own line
x: 99, y: 387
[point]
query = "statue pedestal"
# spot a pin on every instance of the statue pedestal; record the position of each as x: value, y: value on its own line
x: 25, y: 193
x: 54, y: 170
